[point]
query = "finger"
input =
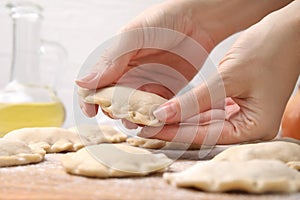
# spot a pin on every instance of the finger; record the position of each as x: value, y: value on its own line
x: 220, y: 132
x: 176, y: 133
x: 171, y: 133
x: 229, y: 101
x: 213, y: 115
x: 206, y: 117
x: 231, y: 110
x: 199, y: 99
x: 90, y: 110
x: 113, y: 62
x: 105, y: 72
x: 157, y: 89
x: 129, y: 124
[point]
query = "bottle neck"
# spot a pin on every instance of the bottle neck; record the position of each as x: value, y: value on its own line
x: 26, y: 46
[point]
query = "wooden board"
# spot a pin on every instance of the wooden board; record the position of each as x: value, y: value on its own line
x: 48, y: 180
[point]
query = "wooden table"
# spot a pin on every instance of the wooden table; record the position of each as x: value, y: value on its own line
x: 47, y: 180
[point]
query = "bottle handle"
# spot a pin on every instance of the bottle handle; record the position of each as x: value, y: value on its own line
x: 53, y: 62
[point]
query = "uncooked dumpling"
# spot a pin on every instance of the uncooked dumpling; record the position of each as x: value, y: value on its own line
x: 279, y: 150
x: 125, y: 103
x: 97, y: 134
x: 159, y: 144
x: 51, y: 139
x: 113, y: 160
x: 254, y: 176
x: 14, y: 152
x: 54, y: 140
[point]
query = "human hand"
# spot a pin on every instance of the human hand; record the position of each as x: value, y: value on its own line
x: 258, y: 75
x: 205, y: 23
x: 164, y: 70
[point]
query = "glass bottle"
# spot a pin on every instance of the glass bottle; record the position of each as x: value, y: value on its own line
x: 29, y: 99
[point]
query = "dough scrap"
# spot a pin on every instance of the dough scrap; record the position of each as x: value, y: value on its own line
x: 114, y: 160
x: 97, y: 134
x: 278, y: 150
x: 158, y: 144
x: 126, y: 103
x: 51, y: 139
x: 254, y: 176
x: 146, y: 143
x: 18, y: 153
x: 294, y: 164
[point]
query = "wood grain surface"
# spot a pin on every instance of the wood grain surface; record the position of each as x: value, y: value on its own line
x: 48, y: 180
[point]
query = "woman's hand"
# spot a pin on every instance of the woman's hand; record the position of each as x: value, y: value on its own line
x: 258, y: 74
x: 131, y: 61
x: 161, y: 69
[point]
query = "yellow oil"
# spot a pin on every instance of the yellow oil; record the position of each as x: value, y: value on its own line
x: 20, y: 115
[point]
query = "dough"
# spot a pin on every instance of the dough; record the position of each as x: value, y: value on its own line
x: 18, y: 153
x: 287, y: 139
x: 125, y: 103
x: 54, y: 140
x: 51, y: 139
x: 294, y: 164
x: 146, y: 143
x: 279, y: 150
x: 254, y: 176
x: 97, y: 134
x: 159, y: 144
x: 113, y: 160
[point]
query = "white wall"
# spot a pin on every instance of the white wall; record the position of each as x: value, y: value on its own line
x: 80, y: 26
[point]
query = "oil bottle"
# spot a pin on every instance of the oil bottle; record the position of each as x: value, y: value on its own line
x: 29, y: 100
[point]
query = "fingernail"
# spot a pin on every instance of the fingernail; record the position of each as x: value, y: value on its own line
x: 89, y: 77
x: 165, y: 112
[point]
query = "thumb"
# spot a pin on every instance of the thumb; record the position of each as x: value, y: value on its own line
x: 114, y: 59
x: 104, y: 73
x: 209, y: 95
